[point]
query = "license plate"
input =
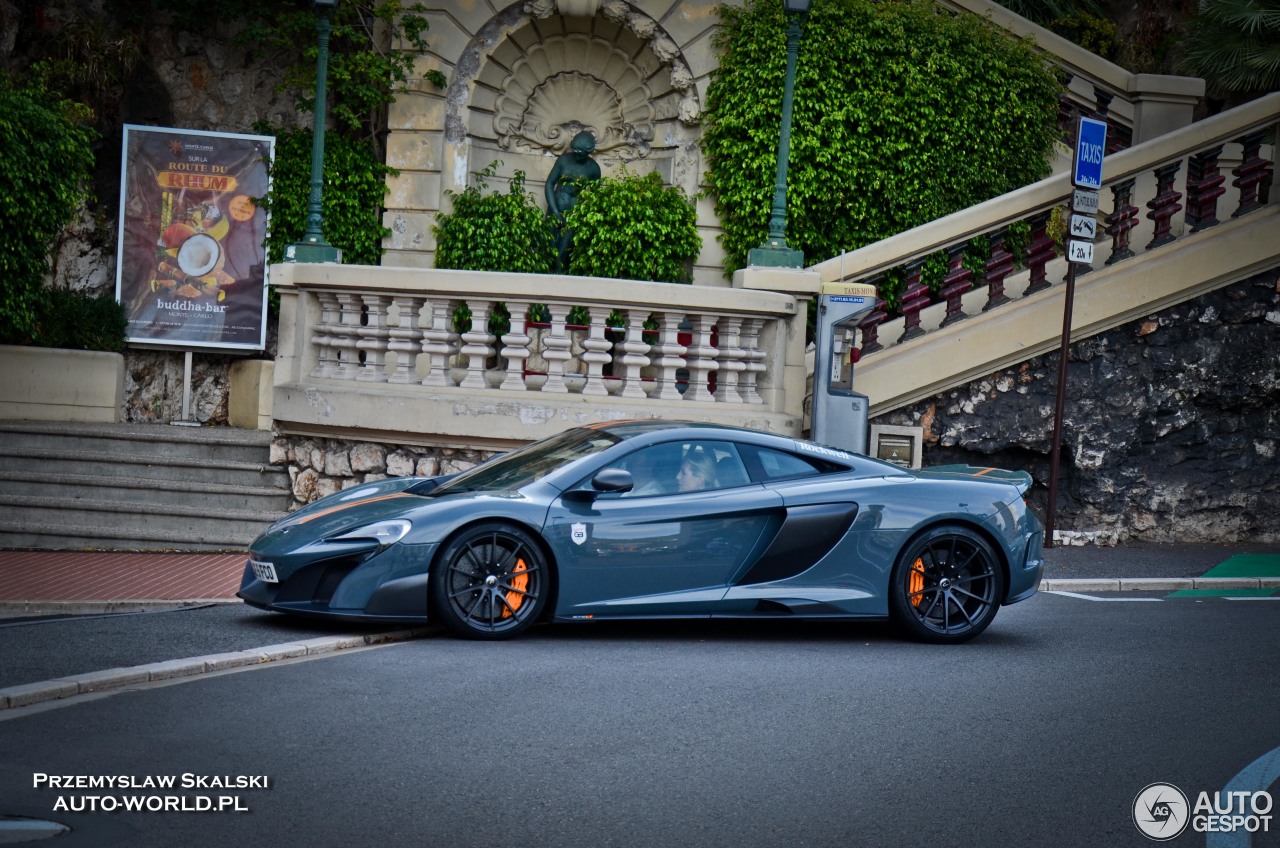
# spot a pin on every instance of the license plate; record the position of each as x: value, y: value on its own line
x: 264, y: 571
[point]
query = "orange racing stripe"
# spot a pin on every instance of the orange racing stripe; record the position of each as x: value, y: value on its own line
x: 341, y: 507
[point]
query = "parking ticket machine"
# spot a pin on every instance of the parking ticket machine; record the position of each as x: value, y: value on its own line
x: 839, y: 413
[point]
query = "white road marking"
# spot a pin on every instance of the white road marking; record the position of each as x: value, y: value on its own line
x: 1095, y: 598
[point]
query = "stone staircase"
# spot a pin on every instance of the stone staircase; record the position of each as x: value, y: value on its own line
x: 136, y: 486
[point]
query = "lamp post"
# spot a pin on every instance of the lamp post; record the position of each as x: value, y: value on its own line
x: 774, y: 251
x: 313, y: 247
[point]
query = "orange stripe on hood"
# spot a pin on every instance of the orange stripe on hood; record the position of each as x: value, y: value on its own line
x: 341, y: 507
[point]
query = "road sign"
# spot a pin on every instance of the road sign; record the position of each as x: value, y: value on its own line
x: 1091, y: 145
x: 1084, y: 227
x: 1084, y: 200
x: 1080, y: 251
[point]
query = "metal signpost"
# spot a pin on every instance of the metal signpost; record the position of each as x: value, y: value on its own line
x: 1086, y: 176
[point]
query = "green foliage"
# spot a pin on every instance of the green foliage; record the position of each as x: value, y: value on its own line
x: 901, y: 115
x: 635, y: 228
x: 372, y: 46
x: 364, y: 70
x: 1235, y: 46
x: 354, y: 186
x: 1047, y: 12
x: 87, y: 58
x: 78, y: 321
x: 45, y: 161
x: 1093, y: 33
x: 491, y: 231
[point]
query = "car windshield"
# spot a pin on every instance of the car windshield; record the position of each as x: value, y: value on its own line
x: 513, y: 470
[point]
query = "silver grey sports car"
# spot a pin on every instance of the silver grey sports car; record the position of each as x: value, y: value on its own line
x: 660, y: 519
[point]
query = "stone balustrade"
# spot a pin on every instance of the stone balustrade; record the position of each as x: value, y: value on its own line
x: 1194, y: 207
x: 387, y: 353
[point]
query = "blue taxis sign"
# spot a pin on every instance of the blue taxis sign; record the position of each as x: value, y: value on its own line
x: 1091, y: 146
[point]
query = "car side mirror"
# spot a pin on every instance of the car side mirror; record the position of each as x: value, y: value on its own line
x: 616, y: 480
x: 607, y: 481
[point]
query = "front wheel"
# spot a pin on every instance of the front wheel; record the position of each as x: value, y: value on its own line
x: 946, y: 586
x: 489, y: 582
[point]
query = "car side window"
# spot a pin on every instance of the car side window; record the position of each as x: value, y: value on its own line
x: 653, y: 470
x: 780, y: 465
x: 686, y: 466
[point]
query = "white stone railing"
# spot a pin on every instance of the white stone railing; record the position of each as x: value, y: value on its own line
x: 377, y: 350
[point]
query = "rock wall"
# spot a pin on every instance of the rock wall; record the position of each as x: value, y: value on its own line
x: 1171, y: 424
x: 183, y: 79
x: 319, y: 467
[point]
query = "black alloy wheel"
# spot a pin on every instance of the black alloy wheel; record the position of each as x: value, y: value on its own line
x: 489, y: 582
x: 946, y: 586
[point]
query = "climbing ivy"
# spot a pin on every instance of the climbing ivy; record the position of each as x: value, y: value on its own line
x: 635, y: 228
x: 354, y: 185
x: 45, y: 162
x: 902, y: 114
x: 372, y: 52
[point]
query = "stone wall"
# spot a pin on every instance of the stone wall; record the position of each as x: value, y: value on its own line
x: 319, y: 466
x: 1171, y: 424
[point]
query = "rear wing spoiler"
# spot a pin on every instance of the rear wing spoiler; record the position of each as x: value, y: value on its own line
x: 1021, y: 479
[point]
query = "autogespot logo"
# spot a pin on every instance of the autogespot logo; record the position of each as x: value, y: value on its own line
x: 1160, y: 811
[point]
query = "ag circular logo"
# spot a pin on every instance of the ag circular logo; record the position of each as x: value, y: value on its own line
x: 1160, y: 811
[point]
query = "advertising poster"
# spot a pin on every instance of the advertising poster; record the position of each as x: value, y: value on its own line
x: 191, y: 266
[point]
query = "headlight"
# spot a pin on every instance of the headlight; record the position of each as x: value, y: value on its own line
x: 383, y: 532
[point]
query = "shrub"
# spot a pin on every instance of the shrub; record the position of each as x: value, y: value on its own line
x: 491, y: 231
x: 45, y: 162
x: 79, y: 321
x: 635, y: 228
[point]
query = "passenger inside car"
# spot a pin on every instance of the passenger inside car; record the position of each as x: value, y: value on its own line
x: 697, y: 472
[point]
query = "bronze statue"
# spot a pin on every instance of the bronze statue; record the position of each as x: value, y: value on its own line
x: 563, y: 183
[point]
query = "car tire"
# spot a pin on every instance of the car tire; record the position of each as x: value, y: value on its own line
x: 947, y: 585
x: 489, y: 582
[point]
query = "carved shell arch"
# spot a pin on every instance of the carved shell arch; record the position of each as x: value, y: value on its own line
x: 542, y: 70
x: 546, y: 101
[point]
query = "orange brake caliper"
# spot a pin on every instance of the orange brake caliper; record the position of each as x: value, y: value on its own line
x: 915, y: 583
x: 519, y: 583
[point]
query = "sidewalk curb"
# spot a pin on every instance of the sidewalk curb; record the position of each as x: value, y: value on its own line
x: 1155, y: 584
x: 116, y: 678
x: 30, y: 608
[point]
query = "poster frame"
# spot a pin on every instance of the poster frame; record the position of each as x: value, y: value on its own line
x: 126, y: 168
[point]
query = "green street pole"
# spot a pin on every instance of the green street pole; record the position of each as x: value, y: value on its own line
x: 313, y: 247
x: 775, y: 252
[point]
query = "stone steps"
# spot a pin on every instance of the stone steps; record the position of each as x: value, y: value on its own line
x: 149, y: 490
x: 136, y: 486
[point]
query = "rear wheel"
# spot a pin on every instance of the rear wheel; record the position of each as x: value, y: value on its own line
x: 946, y: 586
x: 490, y: 582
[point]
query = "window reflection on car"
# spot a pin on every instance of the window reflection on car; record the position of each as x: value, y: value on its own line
x: 524, y: 465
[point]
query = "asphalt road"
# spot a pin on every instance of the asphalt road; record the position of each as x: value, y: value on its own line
x: 36, y: 649
x: 1041, y: 732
